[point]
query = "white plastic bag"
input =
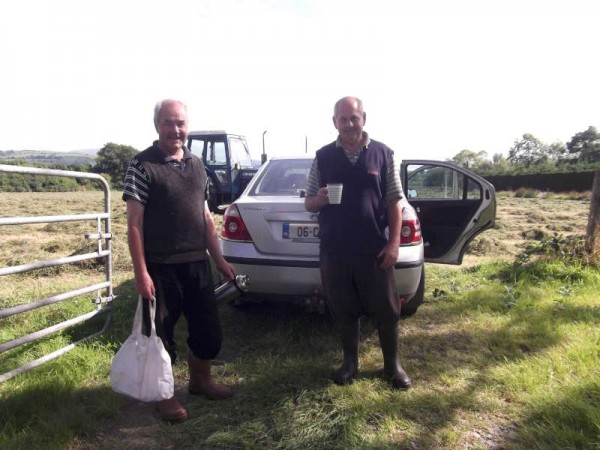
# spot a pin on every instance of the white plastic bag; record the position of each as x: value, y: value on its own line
x: 142, y: 367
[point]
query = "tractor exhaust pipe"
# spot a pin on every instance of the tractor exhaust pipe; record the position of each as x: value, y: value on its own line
x: 263, y: 157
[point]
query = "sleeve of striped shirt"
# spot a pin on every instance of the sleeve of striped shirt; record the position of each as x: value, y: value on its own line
x: 393, y: 188
x: 136, y: 183
x: 314, y: 180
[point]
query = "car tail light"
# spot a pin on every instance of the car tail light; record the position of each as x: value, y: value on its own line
x: 410, y: 233
x: 234, y: 227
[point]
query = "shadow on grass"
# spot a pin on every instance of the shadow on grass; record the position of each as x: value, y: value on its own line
x: 565, y: 423
x: 49, y: 405
x: 278, y: 359
x: 271, y: 352
x: 50, y: 413
x: 457, y: 367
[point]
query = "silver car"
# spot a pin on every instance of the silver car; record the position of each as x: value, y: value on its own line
x: 269, y: 236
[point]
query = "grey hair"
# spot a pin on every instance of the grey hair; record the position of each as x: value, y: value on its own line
x: 358, y: 101
x: 159, y: 106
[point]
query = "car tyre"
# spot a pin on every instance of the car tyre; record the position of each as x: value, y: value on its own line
x: 410, y: 307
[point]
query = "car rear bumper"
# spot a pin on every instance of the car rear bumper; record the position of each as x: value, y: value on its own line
x: 301, y: 276
x: 280, y: 279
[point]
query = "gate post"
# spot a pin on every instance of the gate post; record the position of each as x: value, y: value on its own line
x: 593, y: 227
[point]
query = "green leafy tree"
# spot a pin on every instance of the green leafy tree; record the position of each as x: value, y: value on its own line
x: 557, y: 152
x: 113, y: 159
x: 528, y: 151
x: 499, y: 159
x: 470, y: 159
x: 499, y: 164
x: 585, y: 146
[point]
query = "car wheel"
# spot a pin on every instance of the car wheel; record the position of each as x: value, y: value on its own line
x: 410, y: 307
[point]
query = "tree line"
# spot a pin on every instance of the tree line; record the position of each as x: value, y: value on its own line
x: 111, y: 162
x: 529, y: 155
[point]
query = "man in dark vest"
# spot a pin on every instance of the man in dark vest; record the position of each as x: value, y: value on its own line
x: 169, y: 230
x: 360, y: 237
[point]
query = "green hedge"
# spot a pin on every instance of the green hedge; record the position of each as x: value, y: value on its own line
x: 552, y: 182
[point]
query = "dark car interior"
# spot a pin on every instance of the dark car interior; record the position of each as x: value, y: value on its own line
x: 445, y: 200
x: 442, y: 223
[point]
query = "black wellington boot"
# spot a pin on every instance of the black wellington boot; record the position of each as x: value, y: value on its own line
x: 350, y: 334
x: 392, y: 370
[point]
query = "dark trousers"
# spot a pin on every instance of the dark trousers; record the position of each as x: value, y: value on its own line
x: 354, y: 286
x: 186, y: 288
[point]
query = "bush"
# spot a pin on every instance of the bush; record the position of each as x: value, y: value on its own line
x: 527, y: 193
x: 535, y: 234
x: 557, y: 247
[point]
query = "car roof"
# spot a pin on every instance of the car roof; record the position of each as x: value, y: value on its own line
x: 299, y: 156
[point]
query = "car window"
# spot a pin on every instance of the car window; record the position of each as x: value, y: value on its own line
x: 429, y: 182
x: 283, y: 177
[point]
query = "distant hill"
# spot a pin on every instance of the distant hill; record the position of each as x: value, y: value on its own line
x: 49, y: 158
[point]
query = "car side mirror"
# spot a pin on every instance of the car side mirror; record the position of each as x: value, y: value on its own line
x: 412, y: 193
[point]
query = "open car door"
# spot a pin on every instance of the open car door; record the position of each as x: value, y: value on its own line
x: 453, y: 204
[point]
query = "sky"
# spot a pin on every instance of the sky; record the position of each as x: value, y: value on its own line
x: 436, y: 76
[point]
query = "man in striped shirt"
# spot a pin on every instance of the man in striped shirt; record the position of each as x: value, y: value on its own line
x: 359, y: 237
x: 170, y: 230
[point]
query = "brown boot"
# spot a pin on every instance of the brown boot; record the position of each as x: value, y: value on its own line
x: 201, y: 380
x: 171, y: 410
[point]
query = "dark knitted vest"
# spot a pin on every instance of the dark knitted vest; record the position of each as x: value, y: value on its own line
x: 174, y: 225
x: 359, y: 224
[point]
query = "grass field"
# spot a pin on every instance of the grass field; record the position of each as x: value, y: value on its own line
x: 504, y: 353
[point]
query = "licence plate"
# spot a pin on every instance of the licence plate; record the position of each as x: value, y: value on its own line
x: 300, y: 231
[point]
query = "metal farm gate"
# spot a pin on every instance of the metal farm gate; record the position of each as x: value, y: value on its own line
x: 101, y: 303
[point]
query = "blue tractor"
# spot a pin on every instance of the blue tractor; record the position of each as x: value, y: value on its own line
x: 228, y: 163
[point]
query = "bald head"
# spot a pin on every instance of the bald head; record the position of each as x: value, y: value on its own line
x: 349, y: 119
x: 354, y: 102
